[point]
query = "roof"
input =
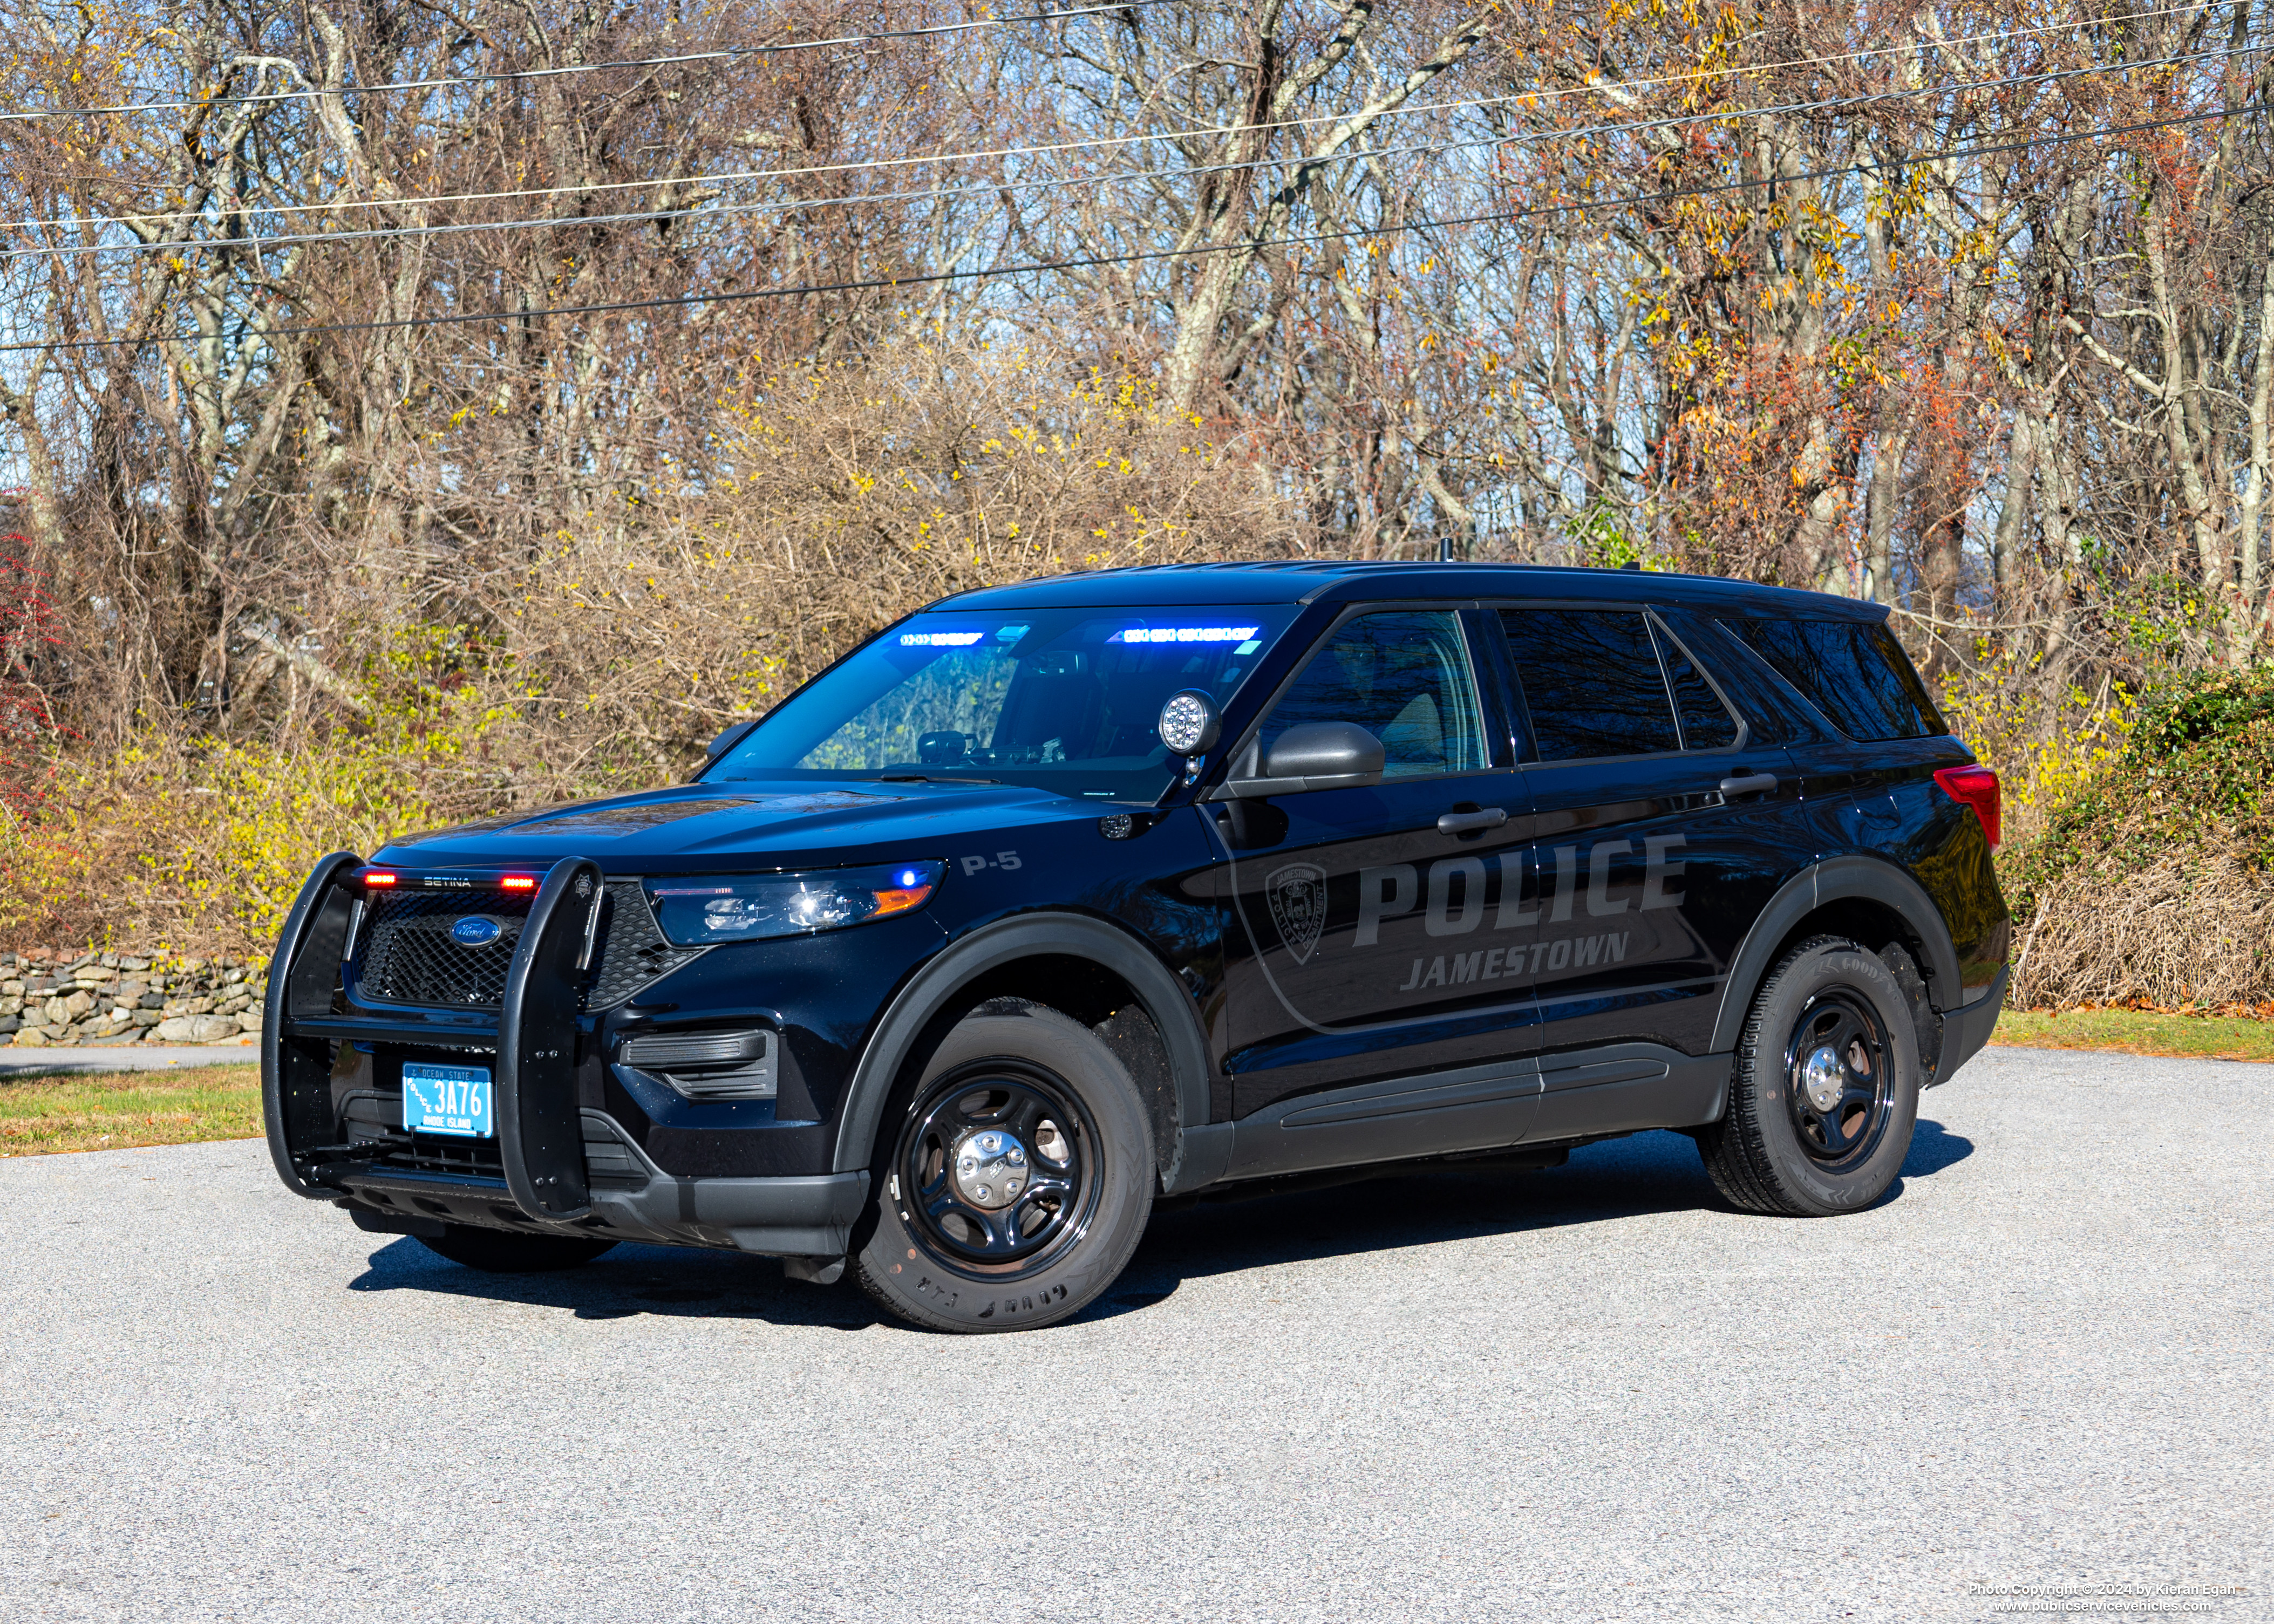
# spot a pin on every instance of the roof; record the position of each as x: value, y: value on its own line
x: 1301, y: 580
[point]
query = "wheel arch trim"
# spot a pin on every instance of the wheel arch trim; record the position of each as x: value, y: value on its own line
x: 1835, y: 879
x: 929, y: 991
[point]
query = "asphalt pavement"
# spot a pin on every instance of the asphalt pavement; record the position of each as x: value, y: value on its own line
x: 1588, y: 1394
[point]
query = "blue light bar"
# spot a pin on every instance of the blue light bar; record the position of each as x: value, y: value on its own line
x: 939, y: 640
x: 1184, y: 634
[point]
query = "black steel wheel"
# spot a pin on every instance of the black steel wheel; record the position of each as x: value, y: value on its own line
x: 1824, y: 1093
x: 991, y: 1164
x: 1016, y: 1180
x: 1842, y: 1085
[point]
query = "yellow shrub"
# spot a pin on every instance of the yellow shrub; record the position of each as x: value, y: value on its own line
x: 205, y: 842
x: 2044, y: 746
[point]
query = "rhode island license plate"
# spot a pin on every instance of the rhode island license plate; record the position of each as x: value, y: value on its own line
x: 454, y: 1100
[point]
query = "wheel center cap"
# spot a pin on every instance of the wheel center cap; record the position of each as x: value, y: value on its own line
x: 990, y: 1168
x: 1823, y: 1079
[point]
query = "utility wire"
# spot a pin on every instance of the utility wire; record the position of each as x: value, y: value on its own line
x: 707, y: 211
x: 1533, y: 95
x: 446, y: 82
x: 868, y: 284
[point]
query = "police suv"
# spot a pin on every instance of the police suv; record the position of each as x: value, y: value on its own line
x: 1055, y: 901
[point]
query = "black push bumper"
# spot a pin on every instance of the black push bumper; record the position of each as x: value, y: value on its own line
x: 562, y: 1169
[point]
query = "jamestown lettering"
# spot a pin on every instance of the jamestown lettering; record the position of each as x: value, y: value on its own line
x: 1495, y: 964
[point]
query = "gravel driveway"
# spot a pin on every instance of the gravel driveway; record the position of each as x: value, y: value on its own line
x: 1581, y: 1395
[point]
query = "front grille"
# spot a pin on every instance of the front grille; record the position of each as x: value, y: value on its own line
x: 406, y: 953
x: 372, y: 1120
x: 454, y: 1158
x: 633, y: 951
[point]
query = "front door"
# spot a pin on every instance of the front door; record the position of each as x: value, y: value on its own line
x: 1366, y: 916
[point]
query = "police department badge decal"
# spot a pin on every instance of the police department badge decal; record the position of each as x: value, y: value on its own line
x: 1297, y: 895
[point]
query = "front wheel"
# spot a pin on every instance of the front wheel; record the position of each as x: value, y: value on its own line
x: 1015, y: 1183
x: 1825, y: 1091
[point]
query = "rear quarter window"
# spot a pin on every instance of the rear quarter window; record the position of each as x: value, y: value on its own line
x: 1856, y: 673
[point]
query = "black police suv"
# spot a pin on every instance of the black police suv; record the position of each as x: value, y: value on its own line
x: 1058, y: 900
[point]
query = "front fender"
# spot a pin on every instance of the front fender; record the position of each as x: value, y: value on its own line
x: 929, y: 992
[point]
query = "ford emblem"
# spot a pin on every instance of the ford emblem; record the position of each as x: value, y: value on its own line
x: 475, y: 931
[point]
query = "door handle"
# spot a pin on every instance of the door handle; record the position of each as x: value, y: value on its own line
x: 1751, y: 784
x: 1469, y: 822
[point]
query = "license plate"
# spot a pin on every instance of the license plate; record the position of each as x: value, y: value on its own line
x: 452, y: 1100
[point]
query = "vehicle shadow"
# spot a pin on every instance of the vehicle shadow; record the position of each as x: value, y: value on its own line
x: 1643, y: 1176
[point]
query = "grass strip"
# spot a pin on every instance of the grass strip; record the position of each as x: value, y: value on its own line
x: 2138, y: 1032
x: 122, y: 1109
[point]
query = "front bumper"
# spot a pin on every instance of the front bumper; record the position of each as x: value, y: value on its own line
x: 558, y: 1167
x: 632, y: 1200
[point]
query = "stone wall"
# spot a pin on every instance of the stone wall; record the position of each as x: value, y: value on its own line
x: 62, y: 999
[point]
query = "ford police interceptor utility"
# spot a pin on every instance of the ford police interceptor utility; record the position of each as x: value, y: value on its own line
x: 1058, y: 899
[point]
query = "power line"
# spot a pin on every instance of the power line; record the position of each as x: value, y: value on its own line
x: 707, y: 211
x: 446, y: 82
x: 870, y: 284
x: 1040, y: 149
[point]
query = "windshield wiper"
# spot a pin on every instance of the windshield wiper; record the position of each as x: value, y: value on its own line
x: 919, y: 778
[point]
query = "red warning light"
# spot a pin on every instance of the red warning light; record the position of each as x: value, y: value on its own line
x: 519, y: 882
x: 380, y: 879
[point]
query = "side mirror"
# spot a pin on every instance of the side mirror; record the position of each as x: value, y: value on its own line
x: 1316, y: 756
x: 729, y: 739
x: 1190, y: 722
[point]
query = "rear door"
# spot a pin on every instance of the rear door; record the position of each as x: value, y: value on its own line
x: 1363, y: 917
x: 1660, y: 831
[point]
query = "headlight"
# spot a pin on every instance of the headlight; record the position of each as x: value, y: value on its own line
x: 696, y: 912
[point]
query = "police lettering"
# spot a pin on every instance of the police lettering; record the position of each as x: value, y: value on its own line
x: 1454, y: 902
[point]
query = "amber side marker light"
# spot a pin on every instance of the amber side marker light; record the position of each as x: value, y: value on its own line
x: 911, y: 888
x: 1977, y: 787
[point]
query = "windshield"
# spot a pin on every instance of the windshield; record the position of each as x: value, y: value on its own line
x: 1059, y: 699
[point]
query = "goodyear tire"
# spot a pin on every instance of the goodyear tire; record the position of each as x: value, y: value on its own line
x: 1825, y: 1092
x: 1014, y: 1179
x: 501, y: 1251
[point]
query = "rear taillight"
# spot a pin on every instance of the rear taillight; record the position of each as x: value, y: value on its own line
x: 1977, y: 787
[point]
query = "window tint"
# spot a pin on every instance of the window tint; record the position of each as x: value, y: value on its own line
x: 1592, y: 682
x: 1706, y: 724
x: 1856, y: 674
x: 1403, y: 677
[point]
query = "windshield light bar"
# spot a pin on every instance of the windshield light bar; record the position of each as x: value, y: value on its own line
x: 939, y: 640
x: 1184, y: 634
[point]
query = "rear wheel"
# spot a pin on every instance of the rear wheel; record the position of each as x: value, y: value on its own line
x: 501, y: 1251
x: 1824, y: 1095
x: 1015, y: 1181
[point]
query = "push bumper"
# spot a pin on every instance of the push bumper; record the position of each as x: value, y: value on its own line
x: 1966, y: 1029
x: 560, y: 1169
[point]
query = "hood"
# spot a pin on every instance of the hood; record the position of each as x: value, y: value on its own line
x: 768, y: 824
